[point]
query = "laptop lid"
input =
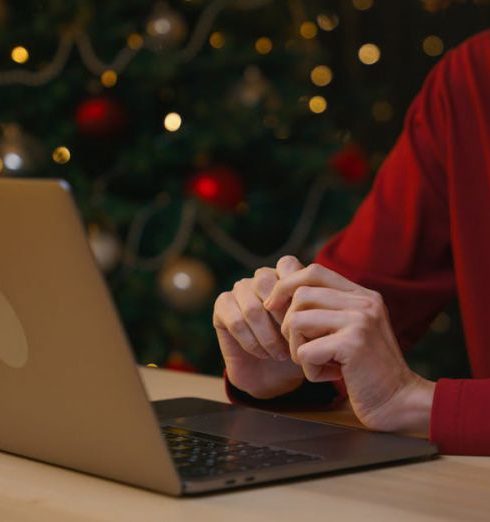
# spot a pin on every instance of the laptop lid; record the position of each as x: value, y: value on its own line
x: 70, y: 393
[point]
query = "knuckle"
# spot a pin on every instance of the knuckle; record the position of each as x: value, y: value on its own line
x: 237, y: 326
x: 287, y: 260
x: 302, y: 293
x: 252, y: 313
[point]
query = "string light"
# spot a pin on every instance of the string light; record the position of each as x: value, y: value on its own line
x: 321, y: 75
x: 19, y: 54
x: 151, y: 365
x: 217, y: 40
x: 433, y: 45
x: 382, y: 111
x: 108, y: 78
x: 61, y: 155
x: 327, y: 22
x: 263, y: 45
x: 308, y: 30
x: 172, y: 122
x: 135, y: 41
x: 369, y: 54
x: 317, y: 104
x: 13, y: 161
x: 363, y: 5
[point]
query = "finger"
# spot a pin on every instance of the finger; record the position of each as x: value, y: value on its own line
x: 260, y: 323
x: 229, y: 317
x: 288, y: 265
x: 263, y: 283
x: 296, y: 339
x: 309, y: 297
x: 327, y: 372
x: 322, y: 351
x: 312, y: 275
x: 314, y: 323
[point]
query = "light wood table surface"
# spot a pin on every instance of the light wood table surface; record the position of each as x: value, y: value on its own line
x: 446, y: 489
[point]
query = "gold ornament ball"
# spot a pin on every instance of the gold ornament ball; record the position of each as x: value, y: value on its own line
x: 106, y: 248
x: 186, y: 283
x: 166, y: 27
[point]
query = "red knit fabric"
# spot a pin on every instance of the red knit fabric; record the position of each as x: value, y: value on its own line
x: 421, y: 234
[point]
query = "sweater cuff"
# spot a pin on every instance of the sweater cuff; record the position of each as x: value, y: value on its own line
x: 460, y: 417
x: 307, y: 397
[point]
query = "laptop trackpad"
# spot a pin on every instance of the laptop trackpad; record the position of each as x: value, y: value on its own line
x: 254, y: 426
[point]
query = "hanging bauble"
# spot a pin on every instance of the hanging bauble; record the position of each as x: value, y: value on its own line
x: 166, y: 27
x: 177, y: 361
x: 101, y: 117
x: 186, y: 284
x: 219, y: 186
x: 106, y: 247
x: 252, y: 89
x: 351, y: 163
x: 20, y: 152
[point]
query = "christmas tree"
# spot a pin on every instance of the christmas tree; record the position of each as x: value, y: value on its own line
x: 204, y: 139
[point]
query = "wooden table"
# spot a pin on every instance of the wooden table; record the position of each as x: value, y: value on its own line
x: 447, y: 489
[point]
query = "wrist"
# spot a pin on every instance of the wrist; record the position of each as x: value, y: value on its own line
x: 414, y: 407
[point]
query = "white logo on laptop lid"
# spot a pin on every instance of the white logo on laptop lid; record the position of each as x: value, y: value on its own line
x: 14, y: 350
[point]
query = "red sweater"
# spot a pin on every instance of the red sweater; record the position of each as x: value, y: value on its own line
x: 419, y: 236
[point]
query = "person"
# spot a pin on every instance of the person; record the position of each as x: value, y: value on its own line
x: 420, y: 237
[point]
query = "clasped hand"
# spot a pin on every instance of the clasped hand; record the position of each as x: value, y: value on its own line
x: 291, y: 323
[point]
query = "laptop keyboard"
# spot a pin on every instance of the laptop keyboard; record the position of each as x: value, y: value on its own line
x: 200, y: 455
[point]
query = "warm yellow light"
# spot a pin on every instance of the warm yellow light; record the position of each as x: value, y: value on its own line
x: 382, y: 111
x: 172, y: 121
x: 151, y: 365
x: 263, y: 45
x: 1, y: 165
x: 20, y: 54
x: 308, y: 30
x: 363, y: 5
x: 321, y: 75
x: 433, y: 45
x: 317, y: 104
x: 369, y: 54
x: 217, y: 40
x: 135, y: 41
x: 327, y: 22
x: 61, y: 155
x: 108, y: 78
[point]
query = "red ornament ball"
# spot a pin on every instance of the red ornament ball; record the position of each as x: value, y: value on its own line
x: 176, y: 361
x: 220, y: 187
x: 101, y: 117
x: 351, y: 163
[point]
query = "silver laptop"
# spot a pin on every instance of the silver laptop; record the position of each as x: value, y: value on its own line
x: 71, y: 395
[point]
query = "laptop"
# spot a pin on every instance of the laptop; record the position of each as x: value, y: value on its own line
x: 71, y: 394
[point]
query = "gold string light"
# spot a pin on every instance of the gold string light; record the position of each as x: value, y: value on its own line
x: 217, y: 40
x: 382, y: 111
x: 135, y: 41
x: 321, y: 75
x: 327, y: 22
x: 363, y: 5
x: 317, y: 104
x: 19, y: 54
x: 369, y: 54
x: 308, y: 30
x: 108, y: 78
x: 172, y: 122
x: 263, y: 45
x: 61, y: 155
x: 432, y: 45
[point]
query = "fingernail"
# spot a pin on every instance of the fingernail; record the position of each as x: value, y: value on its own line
x: 267, y: 302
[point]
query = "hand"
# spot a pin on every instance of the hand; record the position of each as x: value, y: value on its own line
x: 336, y: 327
x: 255, y: 353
